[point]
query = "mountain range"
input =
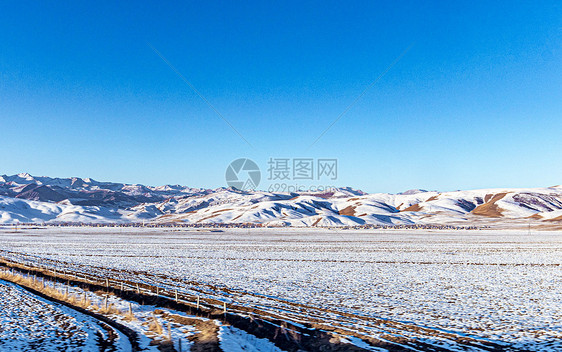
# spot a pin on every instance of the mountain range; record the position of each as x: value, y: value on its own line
x: 30, y: 199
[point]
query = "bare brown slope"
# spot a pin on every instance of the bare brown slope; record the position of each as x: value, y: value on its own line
x: 349, y: 211
x: 490, y: 208
x: 415, y: 207
x: 432, y: 198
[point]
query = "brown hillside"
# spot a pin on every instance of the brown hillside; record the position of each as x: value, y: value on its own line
x: 415, y: 207
x: 349, y: 211
x: 490, y: 208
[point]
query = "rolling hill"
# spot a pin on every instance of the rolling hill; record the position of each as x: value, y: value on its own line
x: 29, y: 199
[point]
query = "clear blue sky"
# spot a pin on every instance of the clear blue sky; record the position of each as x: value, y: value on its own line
x: 476, y: 102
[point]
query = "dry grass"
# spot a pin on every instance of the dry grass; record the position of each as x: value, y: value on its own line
x: 155, y: 326
x: 111, y: 310
x: 127, y: 316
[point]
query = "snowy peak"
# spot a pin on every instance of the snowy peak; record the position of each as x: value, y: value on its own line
x: 86, y: 191
x: 413, y: 191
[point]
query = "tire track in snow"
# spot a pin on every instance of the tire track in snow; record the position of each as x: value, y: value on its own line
x: 31, y: 320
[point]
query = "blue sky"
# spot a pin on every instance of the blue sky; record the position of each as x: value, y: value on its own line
x: 476, y: 102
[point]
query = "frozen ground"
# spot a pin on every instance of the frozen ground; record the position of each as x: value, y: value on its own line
x: 501, y: 286
x: 30, y: 323
x: 234, y: 340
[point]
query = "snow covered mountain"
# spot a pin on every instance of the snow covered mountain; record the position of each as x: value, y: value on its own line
x: 87, y: 191
x: 28, y: 199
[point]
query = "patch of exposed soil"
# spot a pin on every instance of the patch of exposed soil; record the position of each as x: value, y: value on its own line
x: 415, y: 207
x: 490, y: 208
x: 206, y: 339
x: 349, y: 211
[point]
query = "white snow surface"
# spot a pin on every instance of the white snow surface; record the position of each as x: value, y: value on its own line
x: 236, y: 340
x: 501, y: 286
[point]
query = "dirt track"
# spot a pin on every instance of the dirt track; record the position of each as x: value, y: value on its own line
x: 105, y: 342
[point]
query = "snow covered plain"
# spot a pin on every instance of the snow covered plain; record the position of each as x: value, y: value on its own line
x: 499, y: 286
